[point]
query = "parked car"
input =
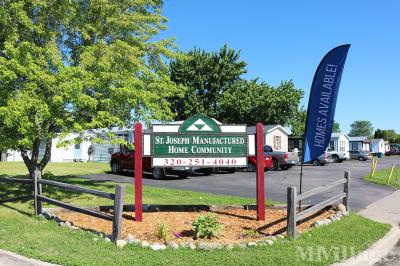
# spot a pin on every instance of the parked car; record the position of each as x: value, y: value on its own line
x: 280, y: 159
x: 360, y: 155
x: 392, y: 152
x: 336, y: 156
x: 124, y: 160
x: 322, y: 160
x: 251, y: 163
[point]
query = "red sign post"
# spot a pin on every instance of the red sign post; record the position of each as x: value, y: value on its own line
x: 260, y: 172
x: 138, y: 172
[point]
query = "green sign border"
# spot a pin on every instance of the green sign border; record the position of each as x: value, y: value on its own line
x: 234, y: 134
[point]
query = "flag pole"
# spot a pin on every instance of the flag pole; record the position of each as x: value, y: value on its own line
x: 301, y: 181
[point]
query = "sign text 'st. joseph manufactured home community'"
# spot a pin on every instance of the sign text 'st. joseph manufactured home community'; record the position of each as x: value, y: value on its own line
x: 198, y: 141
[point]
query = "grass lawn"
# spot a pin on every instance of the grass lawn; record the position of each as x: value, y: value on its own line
x: 22, y: 233
x: 381, y: 177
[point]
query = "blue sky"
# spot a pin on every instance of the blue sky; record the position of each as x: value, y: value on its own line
x: 283, y: 40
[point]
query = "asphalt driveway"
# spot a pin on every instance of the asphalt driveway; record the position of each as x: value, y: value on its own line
x: 276, y: 182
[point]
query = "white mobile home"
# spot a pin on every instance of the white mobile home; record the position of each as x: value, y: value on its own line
x: 339, y: 142
x: 276, y: 136
x: 377, y: 145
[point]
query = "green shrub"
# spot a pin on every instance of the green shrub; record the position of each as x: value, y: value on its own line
x: 250, y: 233
x: 206, y: 226
x: 162, y: 232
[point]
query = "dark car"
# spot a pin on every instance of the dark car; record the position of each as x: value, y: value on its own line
x: 360, y: 155
x: 392, y: 152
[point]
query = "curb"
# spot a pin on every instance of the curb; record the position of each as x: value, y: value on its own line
x: 376, y: 251
x: 11, y: 259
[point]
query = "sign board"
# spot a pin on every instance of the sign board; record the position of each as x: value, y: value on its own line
x: 198, y: 141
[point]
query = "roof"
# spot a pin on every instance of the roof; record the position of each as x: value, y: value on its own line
x: 377, y: 140
x: 337, y: 135
x: 180, y: 122
x: 360, y: 138
x: 268, y: 129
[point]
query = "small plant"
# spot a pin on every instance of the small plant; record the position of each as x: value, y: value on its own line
x: 250, y: 233
x: 162, y: 232
x: 206, y: 226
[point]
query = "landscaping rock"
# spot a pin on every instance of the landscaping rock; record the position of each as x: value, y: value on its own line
x: 62, y: 224
x: 107, y: 239
x: 133, y: 241
x: 345, y: 213
x: 251, y: 244
x: 269, y: 242
x: 95, y: 239
x: 272, y: 238
x: 68, y: 224
x: 184, y: 244
x: 341, y: 208
x: 208, y: 245
x: 192, y: 246
x: 121, y: 243
x: 172, y: 245
x: 229, y: 246
x: 145, y: 244
x: 158, y: 246
x: 130, y: 239
x: 242, y: 245
x: 280, y: 236
x: 74, y: 227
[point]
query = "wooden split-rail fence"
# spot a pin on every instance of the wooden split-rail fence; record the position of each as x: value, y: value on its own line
x: 37, y: 194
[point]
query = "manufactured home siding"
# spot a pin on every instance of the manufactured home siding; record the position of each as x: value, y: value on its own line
x: 270, y: 137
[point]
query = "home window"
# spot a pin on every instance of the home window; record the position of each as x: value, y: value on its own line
x: 342, y: 146
x: 354, y: 146
x: 277, y: 142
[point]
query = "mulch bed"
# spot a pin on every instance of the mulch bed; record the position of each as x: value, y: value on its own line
x: 235, y: 222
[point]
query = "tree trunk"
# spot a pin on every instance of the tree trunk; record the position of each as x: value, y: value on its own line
x: 32, y: 163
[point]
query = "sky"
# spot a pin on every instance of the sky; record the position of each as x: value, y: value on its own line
x: 283, y: 40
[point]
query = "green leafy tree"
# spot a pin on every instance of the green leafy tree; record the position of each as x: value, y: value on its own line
x: 388, y: 134
x: 68, y: 66
x: 361, y: 128
x: 250, y: 102
x: 206, y: 75
x: 336, y: 127
x: 298, y: 123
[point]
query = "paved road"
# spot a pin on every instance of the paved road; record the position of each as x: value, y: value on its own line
x: 244, y: 183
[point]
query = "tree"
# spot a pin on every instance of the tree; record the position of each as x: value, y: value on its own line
x: 68, y: 66
x: 361, y: 128
x: 298, y: 123
x: 389, y: 134
x: 336, y: 127
x: 206, y: 75
x: 250, y: 102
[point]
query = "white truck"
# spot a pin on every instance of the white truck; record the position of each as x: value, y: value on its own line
x: 337, y: 156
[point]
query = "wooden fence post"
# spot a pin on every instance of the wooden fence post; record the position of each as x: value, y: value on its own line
x: 291, y: 211
x: 118, y: 209
x: 346, y: 185
x: 37, y: 191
